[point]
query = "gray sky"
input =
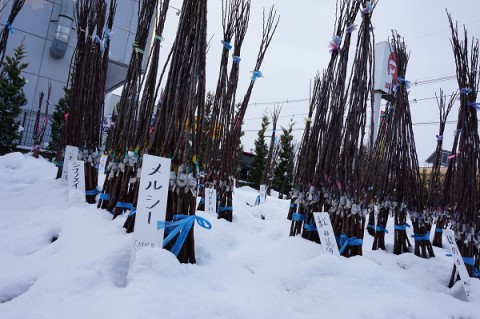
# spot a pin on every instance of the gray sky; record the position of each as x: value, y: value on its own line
x: 300, y: 49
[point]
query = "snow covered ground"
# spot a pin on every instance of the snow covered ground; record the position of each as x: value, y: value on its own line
x: 250, y: 268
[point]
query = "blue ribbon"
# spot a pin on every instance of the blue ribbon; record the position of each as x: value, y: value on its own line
x: 401, y: 227
x: 298, y: 217
x: 132, y: 212
x: 225, y: 208
x: 469, y: 261
x: 421, y: 237
x: 474, y: 104
x: 236, y: 59
x: 181, y: 227
x: 255, y: 75
x: 439, y: 230
x: 10, y: 27
x: 104, y: 196
x: 371, y: 226
x: 351, y: 28
x: 400, y: 81
x: 466, y: 90
x: 309, y: 227
x: 124, y: 205
x: 381, y: 228
x: 293, y: 205
x: 257, y: 201
x: 202, y: 200
x: 346, y: 241
x: 91, y: 192
x: 227, y: 45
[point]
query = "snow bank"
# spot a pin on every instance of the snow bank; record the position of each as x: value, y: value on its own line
x: 70, y: 260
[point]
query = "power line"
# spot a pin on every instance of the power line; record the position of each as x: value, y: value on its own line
x: 415, y: 83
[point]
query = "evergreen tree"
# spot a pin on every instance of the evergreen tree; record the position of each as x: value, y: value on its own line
x: 58, y: 120
x: 261, y: 152
x: 282, y: 178
x: 12, y: 97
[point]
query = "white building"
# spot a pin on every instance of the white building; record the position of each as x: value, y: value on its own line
x: 36, y: 25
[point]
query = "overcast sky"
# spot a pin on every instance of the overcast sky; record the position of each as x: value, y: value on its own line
x: 300, y: 49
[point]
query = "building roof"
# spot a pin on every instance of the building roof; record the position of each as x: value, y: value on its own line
x: 444, y: 154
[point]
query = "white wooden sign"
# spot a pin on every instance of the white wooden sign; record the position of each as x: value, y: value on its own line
x: 210, y: 200
x: 263, y: 193
x: 102, y: 164
x: 460, y: 265
x: 76, y: 176
x: 152, y: 202
x: 71, y: 153
x: 325, y: 231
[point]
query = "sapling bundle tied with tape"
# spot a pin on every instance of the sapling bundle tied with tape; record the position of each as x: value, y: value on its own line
x: 307, y: 174
x: 267, y: 175
x: 8, y: 29
x: 434, y: 202
x: 232, y: 126
x: 178, y: 126
x: 90, y: 64
x: 462, y: 181
x: 122, y: 172
x: 235, y: 18
x: 349, y: 172
x: 393, y: 177
x: 320, y: 191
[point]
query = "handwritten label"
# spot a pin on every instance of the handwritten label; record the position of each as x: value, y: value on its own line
x: 325, y: 231
x: 263, y: 193
x: 76, y: 176
x: 460, y: 265
x: 71, y: 153
x: 210, y: 200
x: 152, y: 201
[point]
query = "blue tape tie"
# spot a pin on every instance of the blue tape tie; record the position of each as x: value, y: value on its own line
x: 124, y: 205
x: 236, y: 59
x: 298, y: 217
x: 181, y: 227
x: 202, y: 200
x: 371, y: 226
x: 293, y: 205
x: 439, y: 230
x: 257, y: 201
x: 469, y: 261
x: 227, y: 45
x: 401, y: 227
x: 380, y: 228
x: 421, y: 237
x: 225, y: 208
x: 91, y: 192
x: 345, y: 241
x: 255, y: 75
x: 10, y: 27
x: 132, y: 212
x: 104, y: 196
x: 476, y: 273
x: 309, y: 227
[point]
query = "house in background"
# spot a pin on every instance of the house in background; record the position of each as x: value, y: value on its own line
x: 42, y: 23
x: 443, y: 162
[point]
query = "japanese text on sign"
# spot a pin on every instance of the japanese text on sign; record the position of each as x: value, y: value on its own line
x: 210, y: 200
x: 71, y: 153
x: 325, y: 231
x: 152, y: 201
x: 76, y: 175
